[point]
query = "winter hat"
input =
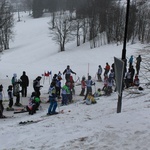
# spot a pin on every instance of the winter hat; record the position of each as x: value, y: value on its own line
x: 15, y: 75
x: 10, y: 87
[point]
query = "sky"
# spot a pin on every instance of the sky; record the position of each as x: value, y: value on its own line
x: 81, y: 126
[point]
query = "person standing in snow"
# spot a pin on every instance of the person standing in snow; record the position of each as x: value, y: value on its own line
x: 89, y: 84
x: 128, y: 78
x: 58, y: 86
x: 37, y: 86
x: 24, y: 84
x: 130, y: 61
x: 16, y: 89
x: 52, y: 99
x: 138, y: 62
x: 1, y: 102
x: 14, y: 80
x: 16, y: 92
x: 83, y: 86
x: 136, y: 81
x: 65, y: 92
x: 10, y: 96
x: 107, y: 68
x: 68, y: 72
x: 132, y: 70
x: 99, y: 72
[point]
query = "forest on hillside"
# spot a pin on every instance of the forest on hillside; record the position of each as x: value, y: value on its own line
x: 96, y: 21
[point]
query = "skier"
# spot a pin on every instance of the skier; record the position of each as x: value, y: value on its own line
x: 107, y: 68
x: 89, y: 84
x: 68, y: 72
x: 109, y: 86
x: 14, y: 79
x: 128, y: 78
x: 37, y: 86
x: 98, y: 93
x: 136, y: 81
x: 83, y: 86
x: 1, y: 102
x: 138, y: 62
x: 132, y: 70
x: 52, y: 99
x: 90, y: 99
x: 65, y: 93
x: 16, y: 92
x: 105, y: 87
x: 10, y: 96
x: 34, y: 103
x: 25, y: 83
x: 130, y: 61
x: 59, y: 75
x: 72, y: 90
x: 58, y: 86
x: 99, y: 72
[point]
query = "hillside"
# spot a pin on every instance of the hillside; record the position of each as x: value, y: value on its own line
x: 81, y: 127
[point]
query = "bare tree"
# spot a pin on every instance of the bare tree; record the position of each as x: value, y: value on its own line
x: 62, y: 32
x: 6, y: 24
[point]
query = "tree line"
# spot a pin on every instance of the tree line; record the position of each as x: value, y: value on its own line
x: 96, y: 21
x: 6, y: 24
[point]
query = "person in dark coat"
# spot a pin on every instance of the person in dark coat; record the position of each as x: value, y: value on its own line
x: 132, y: 70
x: 37, y: 86
x: 1, y: 102
x: 138, y: 63
x: 68, y: 72
x: 24, y: 84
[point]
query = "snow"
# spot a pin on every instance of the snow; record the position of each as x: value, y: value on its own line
x: 81, y: 127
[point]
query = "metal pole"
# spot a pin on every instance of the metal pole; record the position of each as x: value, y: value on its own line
x: 119, y: 105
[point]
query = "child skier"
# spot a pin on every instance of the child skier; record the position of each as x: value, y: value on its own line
x: 90, y: 99
x: 34, y: 103
x: 89, y: 84
x: 99, y: 72
x: 83, y: 86
x: 10, y: 96
x: 37, y: 86
x: 136, y: 81
x: 16, y: 92
x: 98, y: 93
x: 65, y: 93
x: 52, y: 99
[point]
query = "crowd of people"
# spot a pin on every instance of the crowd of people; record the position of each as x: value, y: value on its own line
x: 65, y: 92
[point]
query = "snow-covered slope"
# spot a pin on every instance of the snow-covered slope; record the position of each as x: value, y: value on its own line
x: 81, y: 127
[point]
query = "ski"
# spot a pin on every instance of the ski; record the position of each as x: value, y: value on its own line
x: 14, y: 109
x: 20, y: 111
x: 47, y: 115
x: 29, y: 122
x: 6, y: 117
